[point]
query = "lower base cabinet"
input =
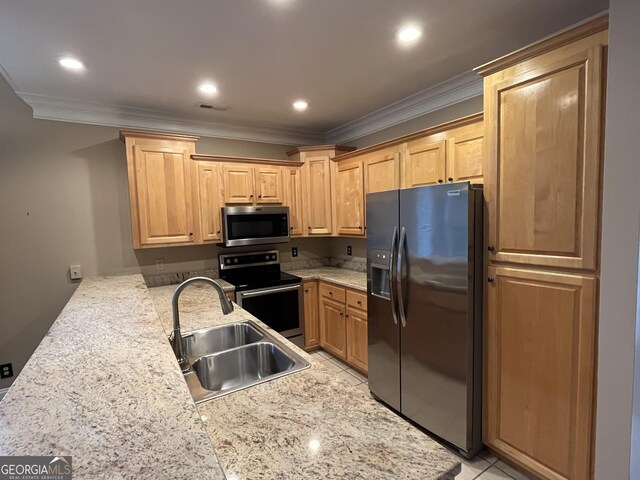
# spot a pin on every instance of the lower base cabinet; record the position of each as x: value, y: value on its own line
x: 540, y: 332
x: 336, y: 320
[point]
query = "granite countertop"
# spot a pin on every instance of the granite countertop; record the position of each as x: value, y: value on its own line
x: 310, y: 424
x: 104, y: 387
x: 340, y: 276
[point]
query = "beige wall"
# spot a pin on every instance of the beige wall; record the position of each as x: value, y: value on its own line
x: 617, y: 350
x: 63, y: 201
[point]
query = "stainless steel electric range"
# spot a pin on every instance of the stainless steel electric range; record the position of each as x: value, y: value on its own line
x: 272, y: 296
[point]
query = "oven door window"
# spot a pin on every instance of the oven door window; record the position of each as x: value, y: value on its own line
x: 256, y: 226
x: 279, y: 309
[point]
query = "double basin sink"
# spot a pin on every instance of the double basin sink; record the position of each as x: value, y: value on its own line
x: 232, y: 357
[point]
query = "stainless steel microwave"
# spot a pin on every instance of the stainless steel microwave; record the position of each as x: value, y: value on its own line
x: 255, y: 225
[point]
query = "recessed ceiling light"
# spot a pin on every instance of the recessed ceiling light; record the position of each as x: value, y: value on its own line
x: 71, y: 63
x: 409, y: 34
x: 208, y: 88
x: 300, y: 105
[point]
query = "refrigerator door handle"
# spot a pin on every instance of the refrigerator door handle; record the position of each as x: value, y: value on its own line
x: 392, y: 275
x: 401, y: 248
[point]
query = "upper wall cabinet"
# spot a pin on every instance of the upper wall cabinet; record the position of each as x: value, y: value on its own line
x: 293, y: 199
x: 317, y: 186
x: 159, y: 171
x: 454, y: 155
x: 381, y: 170
x: 207, y: 198
x: 349, y: 197
x: 252, y: 184
x: 543, y: 137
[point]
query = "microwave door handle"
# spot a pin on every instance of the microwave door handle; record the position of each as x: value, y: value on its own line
x: 399, y: 263
x: 392, y: 275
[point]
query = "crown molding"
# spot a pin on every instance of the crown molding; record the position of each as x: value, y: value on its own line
x: 67, y: 110
x: 455, y: 90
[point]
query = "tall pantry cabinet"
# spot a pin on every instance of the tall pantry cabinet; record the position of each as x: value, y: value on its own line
x: 543, y: 152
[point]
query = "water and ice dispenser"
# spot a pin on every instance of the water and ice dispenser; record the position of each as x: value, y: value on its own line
x: 379, y: 264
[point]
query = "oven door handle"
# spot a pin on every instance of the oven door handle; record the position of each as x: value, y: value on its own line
x: 258, y: 293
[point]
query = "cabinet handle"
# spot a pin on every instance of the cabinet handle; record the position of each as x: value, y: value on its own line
x: 218, y: 231
x: 450, y: 179
x: 359, y: 228
x: 490, y: 279
x: 359, y: 302
x: 259, y: 196
x: 306, y: 290
x: 309, y: 228
x: 330, y: 293
x: 347, y: 316
x: 491, y: 248
x: 250, y: 196
x: 341, y: 314
x: 440, y: 180
x: 191, y: 234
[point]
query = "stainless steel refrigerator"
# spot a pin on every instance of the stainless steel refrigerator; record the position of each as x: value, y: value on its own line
x: 424, y: 268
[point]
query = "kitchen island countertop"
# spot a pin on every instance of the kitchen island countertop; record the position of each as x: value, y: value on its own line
x: 104, y: 387
x: 310, y: 424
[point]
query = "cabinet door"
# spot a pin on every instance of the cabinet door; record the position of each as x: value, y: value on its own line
x: 539, y: 384
x: 238, y: 184
x: 163, y: 194
x: 268, y: 182
x: 543, y: 132
x: 382, y: 172
x: 293, y: 199
x: 209, y: 201
x: 357, y: 347
x: 424, y: 163
x: 317, y: 195
x: 465, y: 155
x: 311, y: 315
x: 349, y: 198
x: 332, y: 327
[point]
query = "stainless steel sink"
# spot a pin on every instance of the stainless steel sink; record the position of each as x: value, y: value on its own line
x: 206, y: 341
x: 253, y: 356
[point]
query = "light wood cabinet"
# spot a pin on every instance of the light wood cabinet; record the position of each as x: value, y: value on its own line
x: 465, y: 153
x: 311, y: 315
x: 246, y: 184
x: 160, y: 195
x: 317, y: 195
x: 543, y: 146
x: 349, y: 201
x: 343, y: 324
x: 357, y: 331
x: 543, y: 134
x: 208, y: 199
x: 540, y: 367
x: 424, y: 162
x: 333, y: 332
x: 381, y: 170
x: 317, y: 188
x: 293, y: 199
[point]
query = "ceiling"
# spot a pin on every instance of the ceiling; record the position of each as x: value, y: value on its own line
x: 145, y: 58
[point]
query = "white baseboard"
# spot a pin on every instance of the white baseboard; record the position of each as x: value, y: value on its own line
x: 3, y: 392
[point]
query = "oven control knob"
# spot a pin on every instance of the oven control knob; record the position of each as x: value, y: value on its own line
x: 235, y: 260
x: 228, y: 261
x: 266, y: 257
x: 273, y: 257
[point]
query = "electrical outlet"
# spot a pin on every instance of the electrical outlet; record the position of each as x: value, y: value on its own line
x: 294, y: 251
x: 349, y: 250
x: 75, y: 272
x: 159, y: 264
x: 6, y: 370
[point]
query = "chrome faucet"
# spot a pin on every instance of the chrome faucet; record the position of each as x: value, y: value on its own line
x: 176, y: 336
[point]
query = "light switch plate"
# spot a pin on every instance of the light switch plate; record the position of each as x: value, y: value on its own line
x: 75, y: 272
x: 294, y: 251
x: 159, y: 264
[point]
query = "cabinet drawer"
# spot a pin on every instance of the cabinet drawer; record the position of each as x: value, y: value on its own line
x: 357, y: 300
x: 333, y: 292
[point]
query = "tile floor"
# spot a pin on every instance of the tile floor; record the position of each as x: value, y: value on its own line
x: 483, y: 467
